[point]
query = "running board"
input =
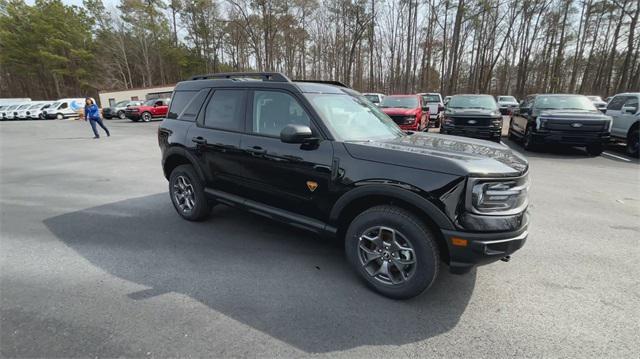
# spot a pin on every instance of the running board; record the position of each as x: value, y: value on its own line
x: 281, y: 215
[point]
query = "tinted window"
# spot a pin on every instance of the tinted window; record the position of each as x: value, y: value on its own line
x: 224, y: 110
x: 272, y: 111
x: 480, y: 101
x: 400, y: 102
x: 431, y: 98
x: 64, y: 105
x: 561, y: 102
x: 179, y: 102
x: 632, y: 101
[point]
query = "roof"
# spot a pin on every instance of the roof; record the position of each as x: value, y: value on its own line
x: 300, y: 87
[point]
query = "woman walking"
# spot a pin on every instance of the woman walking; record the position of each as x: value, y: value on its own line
x: 92, y: 114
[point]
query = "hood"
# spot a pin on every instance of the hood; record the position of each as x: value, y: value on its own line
x: 471, y: 112
x: 443, y: 153
x: 508, y: 103
x: 398, y: 111
x: 573, y: 115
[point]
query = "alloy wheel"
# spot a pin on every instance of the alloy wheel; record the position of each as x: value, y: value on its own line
x: 183, y: 193
x: 146, y: 117
x: 386, y: 255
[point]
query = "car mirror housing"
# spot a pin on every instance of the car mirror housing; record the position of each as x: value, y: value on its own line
x: 296, y: 134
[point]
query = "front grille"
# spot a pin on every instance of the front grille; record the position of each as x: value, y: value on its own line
x: 475, y: 121
x: 400, y: 120
x: 580, y: 125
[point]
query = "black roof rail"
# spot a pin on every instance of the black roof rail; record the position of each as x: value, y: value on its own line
x: 266, y: 76
x: 328, y: 82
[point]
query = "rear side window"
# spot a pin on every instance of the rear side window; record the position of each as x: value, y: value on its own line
x: 179, y: 102
x: 225, y: 110
x: 185, y: 105
x: 632, y: 101
x: 616, y: 103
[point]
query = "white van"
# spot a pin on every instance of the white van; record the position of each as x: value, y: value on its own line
x: 9, y: 113
x: 21, y: 111
x: 64, y: 108
x: 34, y: 111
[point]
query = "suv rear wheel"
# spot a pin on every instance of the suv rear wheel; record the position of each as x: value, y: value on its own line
x: 633, y: 143
x: 392, y: 251
x: 187, y: 194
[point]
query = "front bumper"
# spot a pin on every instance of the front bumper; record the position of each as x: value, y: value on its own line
x: 481, y: 248
x: 571, y: 138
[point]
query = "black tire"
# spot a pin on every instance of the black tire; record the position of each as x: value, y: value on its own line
x: 595, y: 149
x: 146, y: 117
x: 121, y: 115
x: 410, y: 232
x: 527, y: 140
x: 199, y: 203
x: 633, y: 143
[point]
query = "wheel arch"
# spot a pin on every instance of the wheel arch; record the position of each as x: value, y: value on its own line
x: 633, y: 127
x: 177, y: 156
x: 358, y: 200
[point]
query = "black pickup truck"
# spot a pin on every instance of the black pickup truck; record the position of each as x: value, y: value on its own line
x: 319, y: 156
x: 570, y: 120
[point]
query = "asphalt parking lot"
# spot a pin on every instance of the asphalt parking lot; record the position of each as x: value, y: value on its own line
x: 96, y: 263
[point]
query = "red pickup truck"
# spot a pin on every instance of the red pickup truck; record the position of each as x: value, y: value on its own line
x: 408, y: 111
x: 154, y: 108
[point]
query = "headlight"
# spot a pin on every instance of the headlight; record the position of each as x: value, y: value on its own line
x: 497, y: 196
x: 541, y: 123
x: 409, y: 120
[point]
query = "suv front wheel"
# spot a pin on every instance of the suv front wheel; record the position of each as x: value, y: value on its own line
x: 187, y: 194
x: 392, y: 251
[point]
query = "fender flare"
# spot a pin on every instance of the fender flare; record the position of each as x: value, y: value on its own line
x: 183, y: 152
x: 394, y: 191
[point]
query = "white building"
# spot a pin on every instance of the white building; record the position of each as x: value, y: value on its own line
x: 109, y: 98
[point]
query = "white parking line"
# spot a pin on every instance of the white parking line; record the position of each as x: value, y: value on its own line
x: 616, y: 156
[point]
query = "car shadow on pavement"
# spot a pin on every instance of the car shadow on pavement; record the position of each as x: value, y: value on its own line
x: 282, y: 281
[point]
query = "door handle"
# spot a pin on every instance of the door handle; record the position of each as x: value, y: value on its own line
x: 199, y: 140
x: 257, y: 150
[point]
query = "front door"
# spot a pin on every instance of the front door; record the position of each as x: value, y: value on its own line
x: 294, y: 177
x: 160, y: 108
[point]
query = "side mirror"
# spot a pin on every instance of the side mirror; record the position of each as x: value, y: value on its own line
x: 296, y: 134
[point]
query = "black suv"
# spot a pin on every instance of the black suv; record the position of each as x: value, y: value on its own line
x: 571, y: 120
x: 321, y: 157
x: 473, y: 116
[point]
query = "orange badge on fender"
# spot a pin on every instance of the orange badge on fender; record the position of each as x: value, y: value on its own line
x: 312, y: 185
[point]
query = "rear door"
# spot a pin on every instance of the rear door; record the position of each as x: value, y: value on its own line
x: 284, y: 175
x: 614, y: 109
x: 216, y: 138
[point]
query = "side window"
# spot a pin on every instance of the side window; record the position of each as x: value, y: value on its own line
x: 179, y: 102
x: 273, y: 110
x: 193, y: 107
x: 64, y: 105
x: 225, y: 110
x: 632, y: 101
x: 616, y: 103
x: 159, y: 103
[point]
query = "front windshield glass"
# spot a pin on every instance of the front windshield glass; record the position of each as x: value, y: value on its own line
x: 431, y: 98
x: 480, y: 101
x: 33, y: 107
x: 507, y: 99
x: 562, y: 102
x: 122, y: 103
x: 24, y: 107
x: 151, y: 102
x: 595, y: 98
x: 373, y: 98
x: 352, y: 118
x: 54, y: 105
x: 400, y: 102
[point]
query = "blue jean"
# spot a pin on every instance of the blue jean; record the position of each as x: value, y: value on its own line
x: 98, y: 120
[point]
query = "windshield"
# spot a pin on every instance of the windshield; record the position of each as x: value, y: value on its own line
x: 353, y: 118
x: 431, y: 98
x: 507, y: 99
x: 471, y: 101
x: 373, y: 98
x: 24, y: 107
x: 568, y: 102
x: 33, y: 107
x: 400, y: 101
x: 595, y: 98
x: 122, y: 103
x: 151, y: 102
x: 54, y: 105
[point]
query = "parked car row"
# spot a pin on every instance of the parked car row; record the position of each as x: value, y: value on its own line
x: 33, y: 110
x: 415, y: 112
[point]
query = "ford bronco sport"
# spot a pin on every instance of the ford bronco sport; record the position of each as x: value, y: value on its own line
x: 321, y: 157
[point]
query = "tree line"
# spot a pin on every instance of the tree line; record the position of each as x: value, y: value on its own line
x: 49, y: 49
